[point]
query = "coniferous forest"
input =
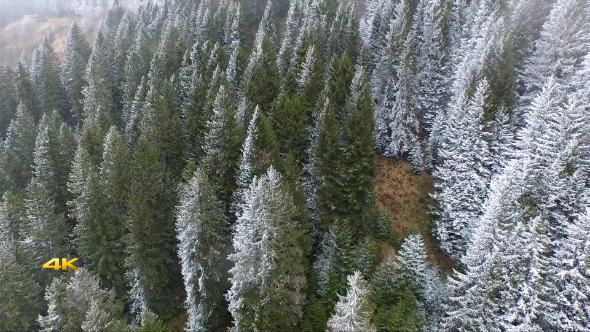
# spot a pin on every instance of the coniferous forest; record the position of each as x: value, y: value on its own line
x: 213, y: 166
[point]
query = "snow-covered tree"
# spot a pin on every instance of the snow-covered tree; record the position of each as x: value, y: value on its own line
x: 244, y: 178
x: 19, y: 145
x: 561, y: 47
x: 353, y: 311
x: 69, y: 301
x: 221, y: 145
x: 462, y: 180
x: 201, y: 226
x: 269, y: 245
x: 74, y: 69
x: 413, y: 270
x: 21, y: 296
x: 51, y: 93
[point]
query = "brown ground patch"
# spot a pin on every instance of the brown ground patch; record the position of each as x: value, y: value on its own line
x: 26, y: 35
x: 406, y: 198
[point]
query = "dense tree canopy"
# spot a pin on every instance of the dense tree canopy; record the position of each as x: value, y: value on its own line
x: 245, y: 165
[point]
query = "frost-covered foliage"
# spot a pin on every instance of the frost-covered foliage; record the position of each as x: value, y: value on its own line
x: 267, y: 236
x: 200, y: 228
x: 463, y: 177
x: 353, y: 312
x: 79, y: 304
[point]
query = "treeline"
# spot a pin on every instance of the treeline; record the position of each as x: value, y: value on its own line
x: 219, y: 158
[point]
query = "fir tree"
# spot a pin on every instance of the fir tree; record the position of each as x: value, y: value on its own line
x: 244, y: 178
x: 25, y: 92
x: 150, y: 243
x: 8, y: 95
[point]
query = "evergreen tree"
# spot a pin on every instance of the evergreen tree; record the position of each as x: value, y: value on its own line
x: 413, y: 271
x: 17, y: 157
x: 48, y: 85
x: 353, y: 311
x: 151, y: 242
x: 73, y: 70
x: 20, y: 298
x: 8, y: 95
x: 221, y: 146
x: 70, y: 301
x: 98, y: 94
x: 268, y: 279
x: 244, y: 178
x: 151, y: 323
x: 463, y: 177
x: 201, y: 228
x: 25, y: 92
x: 345, y: 160
x: 560, y: 49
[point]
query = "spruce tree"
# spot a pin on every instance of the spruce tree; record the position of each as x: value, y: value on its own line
x: 17, y: 158
x: 21, y: 296
x: 268, y: 279
x: 463, y: 177
x: 73, y: 71
x: 150, y: 243
x: 48, y: 84
x: 201, y: 228
x: 8, y: 98
x: 221, y: 146
x: 70, y: 300
x: 25, y: 92
x: 353, y: 311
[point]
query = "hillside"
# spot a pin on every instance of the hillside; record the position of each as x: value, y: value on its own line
x: 27, y: 32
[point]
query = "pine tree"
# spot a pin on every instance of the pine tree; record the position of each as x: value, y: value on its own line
x: 98, y: 94
x: 151, y: 323
x: 268, y: 278
x: 353, y: 311
x: 432, y: 66
x: 413, y: 271
x: 201, y: 228
x: 73, y: 70
x: 389, y: 68
x: 561, y: 46
x: 160, y: 122
x: 474, y: 301
x: 136, y: 68
x: 345, y: 160
x: 46, y: 230
x: 572, y: 280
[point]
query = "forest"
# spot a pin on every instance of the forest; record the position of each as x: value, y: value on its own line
x: 218, y: 165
